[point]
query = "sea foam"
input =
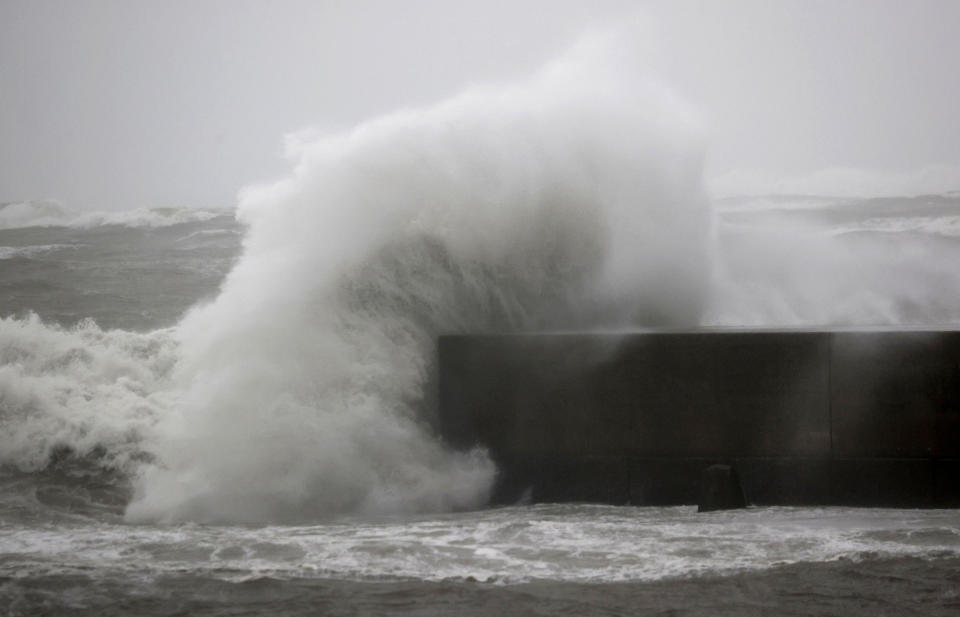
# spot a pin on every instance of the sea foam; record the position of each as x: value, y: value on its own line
x: 81, y: 388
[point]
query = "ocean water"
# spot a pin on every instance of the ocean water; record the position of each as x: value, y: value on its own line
x: 87, y: 348
x: 229, y: 411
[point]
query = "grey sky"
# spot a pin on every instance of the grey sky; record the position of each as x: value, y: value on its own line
x: 132, y: 103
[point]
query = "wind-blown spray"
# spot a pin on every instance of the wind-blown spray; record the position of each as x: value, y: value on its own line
x: 570, y: 201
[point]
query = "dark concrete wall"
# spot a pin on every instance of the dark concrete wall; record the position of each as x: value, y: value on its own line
x: 860, y: 418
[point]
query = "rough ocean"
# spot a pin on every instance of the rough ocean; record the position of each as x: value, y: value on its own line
x: 93, y: 307
x: 228, y: 411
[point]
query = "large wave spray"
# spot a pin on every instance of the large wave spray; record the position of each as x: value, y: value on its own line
x: 569, y: 201
x: 305, y: 389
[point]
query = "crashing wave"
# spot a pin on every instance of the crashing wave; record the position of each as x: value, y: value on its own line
x: 572, y: 200
x: 82, y: 390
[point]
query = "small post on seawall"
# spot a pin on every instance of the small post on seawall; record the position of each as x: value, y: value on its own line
x: 720, y: 489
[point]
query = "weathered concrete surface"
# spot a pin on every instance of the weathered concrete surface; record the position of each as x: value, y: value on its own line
x: 859, y: 418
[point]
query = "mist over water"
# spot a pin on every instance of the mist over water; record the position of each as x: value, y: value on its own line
x: 812, y: 261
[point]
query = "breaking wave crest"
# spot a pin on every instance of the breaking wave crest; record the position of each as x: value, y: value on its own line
x: 39, y: 213
x: 80, y: 390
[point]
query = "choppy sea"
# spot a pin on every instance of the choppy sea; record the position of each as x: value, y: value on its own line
x: 89, y: 307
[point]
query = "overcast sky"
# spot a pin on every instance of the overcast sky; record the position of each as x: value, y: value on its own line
x: 133, y: 103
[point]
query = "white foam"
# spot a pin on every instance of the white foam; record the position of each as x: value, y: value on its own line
x: 570, y: 202
x: 948, y: 226
x: 27, y: 214
x: 80, y: 387
x: 572, y: 199
x: 12, y: 252
x: 547, y: 542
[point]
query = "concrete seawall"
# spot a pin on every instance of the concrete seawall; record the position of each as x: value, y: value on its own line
x: 847, y: 417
